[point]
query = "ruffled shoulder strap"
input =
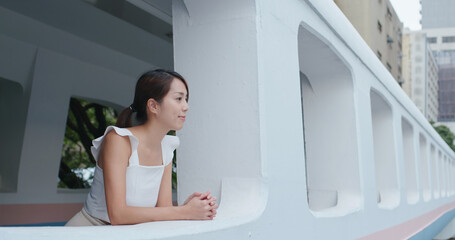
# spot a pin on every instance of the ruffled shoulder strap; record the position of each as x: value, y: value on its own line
x: 169, y: 144
x: 122, y: 132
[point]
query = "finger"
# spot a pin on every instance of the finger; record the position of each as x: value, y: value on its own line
x: 196, y: 194
x: 206, y: 203
x: 208, y: 194
x: 203, y: 196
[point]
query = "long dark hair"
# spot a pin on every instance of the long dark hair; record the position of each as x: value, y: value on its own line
x: 152, y: 84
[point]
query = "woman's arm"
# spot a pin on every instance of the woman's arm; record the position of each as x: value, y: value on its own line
x: 165, y: 193
x: 114, y: 156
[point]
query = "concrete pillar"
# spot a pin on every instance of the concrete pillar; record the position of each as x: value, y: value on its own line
x: 215, y: 49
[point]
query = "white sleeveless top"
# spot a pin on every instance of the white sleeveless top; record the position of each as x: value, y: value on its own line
x: 142, y: 182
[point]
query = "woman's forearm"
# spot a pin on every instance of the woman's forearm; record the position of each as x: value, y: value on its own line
x: 197, y: 208
x: 134, y: 215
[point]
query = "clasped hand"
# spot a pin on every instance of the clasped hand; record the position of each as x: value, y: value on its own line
x: 201, y: 206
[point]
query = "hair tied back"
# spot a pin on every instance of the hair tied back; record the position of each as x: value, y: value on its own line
x: 132, y: 108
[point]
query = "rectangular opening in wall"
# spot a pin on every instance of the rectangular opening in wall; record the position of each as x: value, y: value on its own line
x: 442, y: 174
x: 332, y: 166
x: 448, y: 177
x: 13, y: 113
x: 451, y: 176
x: 431, y: 40
x: 434, y: 171
x: 86, y: 121
x: 388, y: 194
x: 424, y: 169
x: 409, y: 161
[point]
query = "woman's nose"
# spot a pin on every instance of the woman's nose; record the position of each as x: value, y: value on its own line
x: 186, y: 106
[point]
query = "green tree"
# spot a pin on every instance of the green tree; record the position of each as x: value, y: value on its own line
x: 446, y: 134
x: 86, y: 121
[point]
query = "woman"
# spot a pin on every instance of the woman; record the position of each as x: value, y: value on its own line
x: 132, y: 182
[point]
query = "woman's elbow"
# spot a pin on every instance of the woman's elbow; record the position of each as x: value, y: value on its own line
x: 116, y: 220
x: 117, y: 217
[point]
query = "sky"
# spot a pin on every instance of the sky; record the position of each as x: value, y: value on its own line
x: 408, y: 12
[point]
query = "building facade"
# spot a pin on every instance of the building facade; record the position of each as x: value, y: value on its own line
x: 438, y: 14
x: 442, y: 43
x: 420, y: 74
x: 380, y: 27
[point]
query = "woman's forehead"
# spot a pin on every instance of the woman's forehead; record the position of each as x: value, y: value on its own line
x: 177, y: 86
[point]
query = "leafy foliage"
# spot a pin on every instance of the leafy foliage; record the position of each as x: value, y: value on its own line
x: 86, y: 121
x: 446, y: 134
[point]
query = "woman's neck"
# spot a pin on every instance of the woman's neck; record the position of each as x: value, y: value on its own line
x: 152, y: 133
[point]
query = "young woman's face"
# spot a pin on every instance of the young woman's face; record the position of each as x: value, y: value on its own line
x: 174, y: 106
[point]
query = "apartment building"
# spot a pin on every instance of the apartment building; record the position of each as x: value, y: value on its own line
x: 420, y: 73
x: 380, y: 27
x: 442, y: 44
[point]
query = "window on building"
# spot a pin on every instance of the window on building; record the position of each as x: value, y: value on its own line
x: 389, y: 41
x: 418, y: 91
x: 389, y: 14
x: 431, y: 40
x: 448, y: 39
x: 389, y: 66
x: 417, y: 47
x: 379, y: 26
x: 379, y: 55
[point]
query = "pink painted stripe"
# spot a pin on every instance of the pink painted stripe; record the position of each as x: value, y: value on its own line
x: 410, y: 228
x: 15, y: 214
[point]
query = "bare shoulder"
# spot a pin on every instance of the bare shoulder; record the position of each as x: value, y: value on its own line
x: 115, y: 148
x: 113, y: 138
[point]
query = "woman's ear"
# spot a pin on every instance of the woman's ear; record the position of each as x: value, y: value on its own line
x: 153, y: 106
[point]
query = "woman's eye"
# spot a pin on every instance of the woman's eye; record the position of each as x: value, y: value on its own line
x: 179, y: 99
